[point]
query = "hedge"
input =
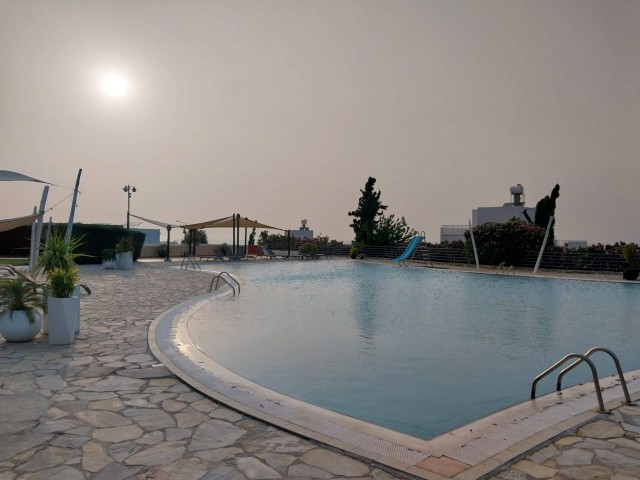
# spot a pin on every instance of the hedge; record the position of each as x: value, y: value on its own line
x: 95, y: 238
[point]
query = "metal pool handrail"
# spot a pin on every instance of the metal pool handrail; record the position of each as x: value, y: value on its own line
x: 616, y: 361
x: 189, y: 261
x: 502, y: 266
x: 556, y: 365
x: 227, y: 275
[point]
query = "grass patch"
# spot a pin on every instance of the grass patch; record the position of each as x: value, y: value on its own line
x: 16, y: 262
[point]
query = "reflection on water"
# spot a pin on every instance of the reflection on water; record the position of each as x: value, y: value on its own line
x: 416, y: 350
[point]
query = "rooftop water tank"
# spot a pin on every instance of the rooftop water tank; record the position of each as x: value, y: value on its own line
x: 517, y: 192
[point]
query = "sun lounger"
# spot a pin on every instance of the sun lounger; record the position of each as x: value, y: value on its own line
x: 273, y: 256
x: 217, y: 256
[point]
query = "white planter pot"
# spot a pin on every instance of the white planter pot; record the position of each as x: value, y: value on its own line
x: 15, y: 326
x: 63, y: 318
x: 45, y: 317
x: 124, y: 260
x: 76, y: 297
x: 109, y: 264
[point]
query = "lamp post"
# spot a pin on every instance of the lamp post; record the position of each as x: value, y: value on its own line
x: 128, y: 190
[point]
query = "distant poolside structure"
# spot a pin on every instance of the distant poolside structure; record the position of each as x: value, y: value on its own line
x: 514, y: 208
x: 303, y: 231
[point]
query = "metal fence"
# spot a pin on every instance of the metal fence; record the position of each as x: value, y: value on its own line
x: 568, y: 261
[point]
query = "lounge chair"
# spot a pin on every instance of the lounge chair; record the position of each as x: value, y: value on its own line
x: 217, y: 255
x: 241, y: 255
x: 273, y: 256
x: 8, y: 271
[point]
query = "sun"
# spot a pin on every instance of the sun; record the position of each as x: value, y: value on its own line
x: 114, y: 85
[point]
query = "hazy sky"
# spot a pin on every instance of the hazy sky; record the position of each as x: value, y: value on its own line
x: 280, y: 110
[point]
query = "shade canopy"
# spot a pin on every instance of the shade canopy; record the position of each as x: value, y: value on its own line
x: 11, y: 223
x: 154, y: 222
x: 9, y: 176
x: 228, y: 222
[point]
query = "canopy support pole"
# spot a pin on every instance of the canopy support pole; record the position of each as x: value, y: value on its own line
x: 73, y: 207
x: 168, y: 257
x: 544, y: 244
x: 36, y: 232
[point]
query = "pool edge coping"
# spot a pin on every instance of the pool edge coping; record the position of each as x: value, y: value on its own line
x: 454, y: 446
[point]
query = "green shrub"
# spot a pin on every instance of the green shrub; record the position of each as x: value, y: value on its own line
x: 505, y: 242
x: 309, y: 249
x: 631, y: 255
x: 161, y: 250
x: 356, y: 249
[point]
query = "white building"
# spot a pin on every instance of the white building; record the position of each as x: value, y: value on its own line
x: 481, y: 215
x: 506, y: 212
x: 303, y: 232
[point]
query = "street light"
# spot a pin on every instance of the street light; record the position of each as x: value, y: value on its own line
x: 128, y: 190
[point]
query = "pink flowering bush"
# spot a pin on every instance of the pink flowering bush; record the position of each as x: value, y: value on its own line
x: 505, y: 242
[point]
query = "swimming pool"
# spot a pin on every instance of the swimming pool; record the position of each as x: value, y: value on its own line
x: 415, y: 350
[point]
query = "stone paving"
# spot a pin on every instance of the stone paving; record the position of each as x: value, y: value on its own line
x: 103, y: 408
x: 608, y: 448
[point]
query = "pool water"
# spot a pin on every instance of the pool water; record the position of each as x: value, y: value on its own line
x: 416, y: 350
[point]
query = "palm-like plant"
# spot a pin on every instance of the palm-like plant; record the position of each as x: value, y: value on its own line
x: 58, y: 252
x: 21, y: 293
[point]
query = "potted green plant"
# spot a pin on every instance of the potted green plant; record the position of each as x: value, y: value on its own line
x: 124, y: 253
x: 21, y: 306
x: 58, y: 253
x: 161, y: 250
x: 108, y: 256
x: 632, y: 257
x: 63, y: 308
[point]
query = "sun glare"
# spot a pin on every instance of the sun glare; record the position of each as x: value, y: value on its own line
x: 114, y: 85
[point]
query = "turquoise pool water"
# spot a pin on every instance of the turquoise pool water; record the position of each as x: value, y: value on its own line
x: 420, y: 351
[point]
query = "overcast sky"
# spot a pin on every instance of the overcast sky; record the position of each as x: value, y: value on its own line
x: 280, y: 110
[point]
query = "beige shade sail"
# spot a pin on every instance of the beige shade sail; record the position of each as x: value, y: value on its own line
x: 155, y: 222
x: 227, y: 222
x: 11, y: 223
x: 9, y: 176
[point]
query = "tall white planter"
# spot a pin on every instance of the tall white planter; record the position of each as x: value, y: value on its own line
x: 76, y: 297
x: 124, y: 260
x: 64, y: 314
x: 15, y: 326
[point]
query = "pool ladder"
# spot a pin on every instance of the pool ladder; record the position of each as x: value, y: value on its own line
x: 502, y: 268
x: 594, y: 374
x: 190, y: 261
x: 361, y: 256
x: 226, y: 277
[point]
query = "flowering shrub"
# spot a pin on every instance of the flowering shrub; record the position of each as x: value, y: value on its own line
x: 505, y: 242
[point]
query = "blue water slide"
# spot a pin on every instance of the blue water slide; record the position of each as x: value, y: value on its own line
x: 413, y: 243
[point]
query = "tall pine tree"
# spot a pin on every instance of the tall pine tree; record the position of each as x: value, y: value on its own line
x: 545, y: 208
x: 365, y: 216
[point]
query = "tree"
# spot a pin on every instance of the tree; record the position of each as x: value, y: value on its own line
x: 263, y: 238
x: 201, y: 237
x: 392, y: 231
x: 545, y: 208
x: 252, y: 236
x: 365, y: 216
